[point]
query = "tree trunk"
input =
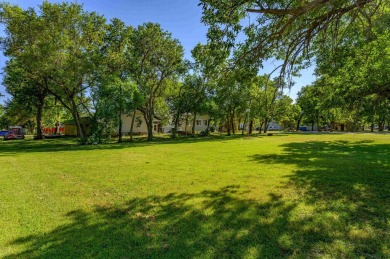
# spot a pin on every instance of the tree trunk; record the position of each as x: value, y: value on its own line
x: 381, y: 126
x: 243, y: 126
x: 57, y: 128
x: 132, y: 125
x: 39, y: 121
x: 185, y: 128
x: 312, y: 126
x: 261, y: 126
x: 80, y: 131
x: 250, y: 127
x: 232, y: 121
x: 120, y: 115
x: 150, y: 125
x: 174, y: 130
x: 372, y: 127
x: 208, y: 127
x: 193, y: 124
x: 228, y: 124
x: 80, y: 128
x: 266, y: 123
x: 120, y: 128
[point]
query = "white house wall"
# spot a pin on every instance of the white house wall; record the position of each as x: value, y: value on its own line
x: 201, y: 119
x: 273, y: 125
x: 137, y: 129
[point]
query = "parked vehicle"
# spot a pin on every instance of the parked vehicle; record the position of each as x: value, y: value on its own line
x: 3, y: 133
x: 15, y: 132
x: 203, y: 133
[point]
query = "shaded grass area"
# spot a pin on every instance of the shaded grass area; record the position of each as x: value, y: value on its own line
x: 71, y: 143
x: 168, y: 226
x: 281, y: 196
x: 346, y: 188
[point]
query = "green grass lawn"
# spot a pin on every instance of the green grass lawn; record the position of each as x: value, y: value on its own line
x: 297, y: 195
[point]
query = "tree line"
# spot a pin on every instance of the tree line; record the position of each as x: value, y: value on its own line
x: 65, y: 61
x: 346, y: 41
x: 63, y: 56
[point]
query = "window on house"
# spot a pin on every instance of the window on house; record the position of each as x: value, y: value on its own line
x: 155, y: 127
x: 205, y: 122
x: 198, y: 122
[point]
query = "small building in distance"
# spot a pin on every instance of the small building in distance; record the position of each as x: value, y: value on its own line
x: 70, y: 128
x: 139, y: 126
x: 185, y: 125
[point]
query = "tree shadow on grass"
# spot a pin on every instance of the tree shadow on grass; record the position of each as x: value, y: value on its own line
x: 346, y: 186
x: 340, y: 209
x: 210, y: 223
x: 15, y: 147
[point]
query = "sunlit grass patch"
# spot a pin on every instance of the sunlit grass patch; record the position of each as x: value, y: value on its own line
x: 280, y: 196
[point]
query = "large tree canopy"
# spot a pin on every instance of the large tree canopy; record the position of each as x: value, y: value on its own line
x: 281, y: 29
x: 155, y: 59
x: 58, y: 44
x: 73, y: 57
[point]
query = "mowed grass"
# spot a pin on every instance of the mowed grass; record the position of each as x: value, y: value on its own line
x: 298, y: 195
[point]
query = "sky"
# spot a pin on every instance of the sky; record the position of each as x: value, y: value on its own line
x: 180, y: 17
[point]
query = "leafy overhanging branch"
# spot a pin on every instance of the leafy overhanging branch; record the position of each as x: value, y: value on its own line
x: 283, y: 29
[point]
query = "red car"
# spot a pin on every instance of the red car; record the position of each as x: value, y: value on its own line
x: 15, y: 132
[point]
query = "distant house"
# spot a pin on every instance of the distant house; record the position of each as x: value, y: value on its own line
x: 274, y: 126
x: 139, y: 127
x: 70, y: 128
x: 339, y: 126
x: 53, y: 130
x: 308, y: 128
x: 201, y: 124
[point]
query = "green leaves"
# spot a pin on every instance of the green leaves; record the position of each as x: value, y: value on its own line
x: 283, y: 30
x: 155, y: 60
x: 355, y: 72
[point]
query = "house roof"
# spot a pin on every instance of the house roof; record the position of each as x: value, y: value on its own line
x: 84, y: 120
